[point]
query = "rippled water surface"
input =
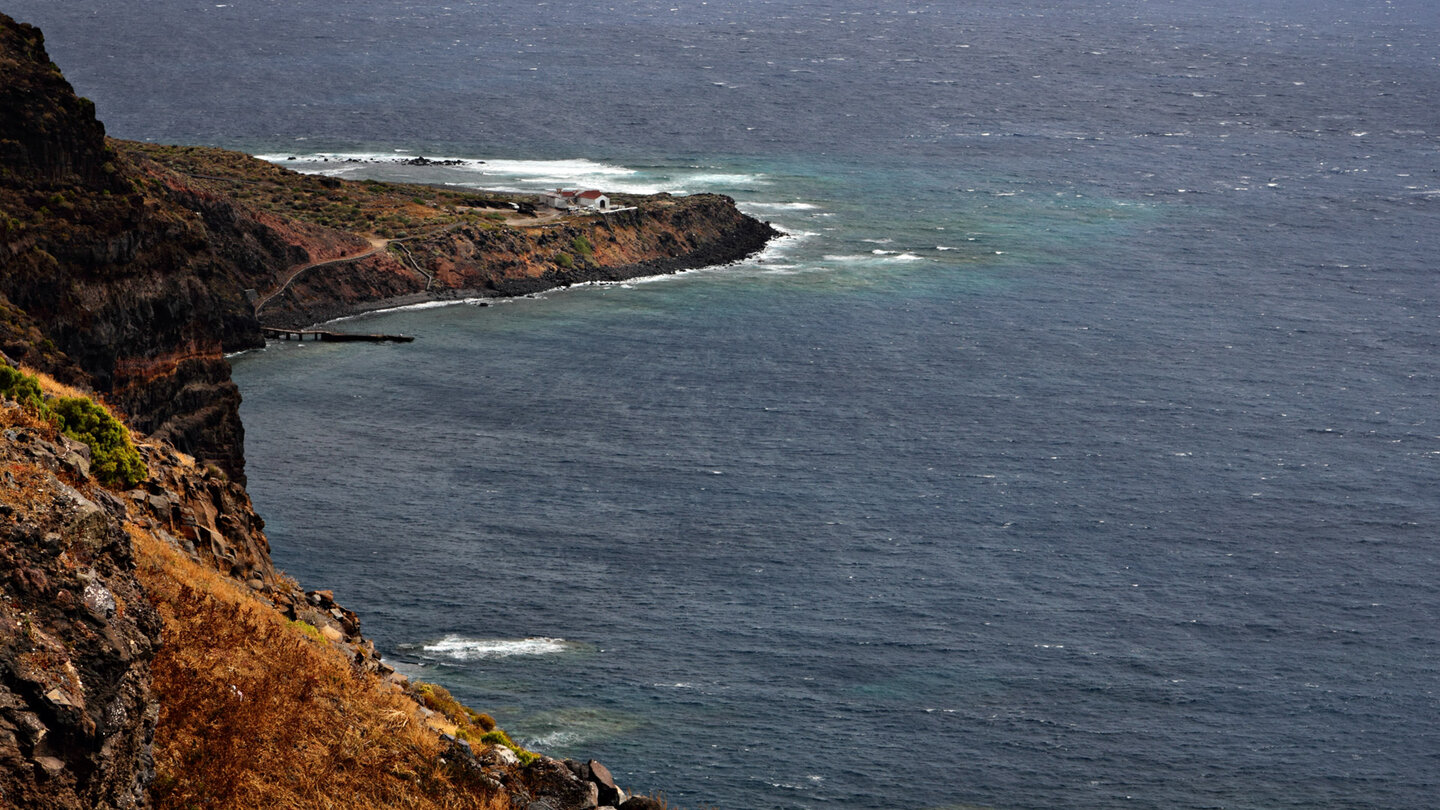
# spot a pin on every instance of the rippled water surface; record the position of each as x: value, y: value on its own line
x: 1078, y: 448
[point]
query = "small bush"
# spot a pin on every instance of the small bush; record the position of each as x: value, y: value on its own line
x: 472, y: 724
x: 497, y: 737
x: 306, y: 629
x: 564, y: 260
x: 113, y: 457
x: 583, y: 248
x: 20, y: 387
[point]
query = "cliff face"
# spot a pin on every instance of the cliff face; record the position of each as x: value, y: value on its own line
x: 46, y: 132
x: 662, y: 235
x: 76, y: 634
x: 119, y: 276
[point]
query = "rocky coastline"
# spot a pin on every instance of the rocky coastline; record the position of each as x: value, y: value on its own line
x: 664, y: 235
x: 126, y: 279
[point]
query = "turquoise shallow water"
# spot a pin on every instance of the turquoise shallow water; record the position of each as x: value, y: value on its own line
x: 1077, y: 450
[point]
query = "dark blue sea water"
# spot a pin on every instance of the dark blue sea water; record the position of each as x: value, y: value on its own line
x: 1079, y: 448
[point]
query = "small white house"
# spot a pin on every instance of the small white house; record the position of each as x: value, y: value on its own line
x: 592, y: 199
x: 570, y: 198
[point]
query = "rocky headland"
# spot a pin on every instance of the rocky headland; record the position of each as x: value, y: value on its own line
x: 150, y: 653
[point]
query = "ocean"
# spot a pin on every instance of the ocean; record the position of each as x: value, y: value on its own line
x: 1078, y: 447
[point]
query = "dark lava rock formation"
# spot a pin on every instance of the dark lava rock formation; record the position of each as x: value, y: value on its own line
x: 76, y: 638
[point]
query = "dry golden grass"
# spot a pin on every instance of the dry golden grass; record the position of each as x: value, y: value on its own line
x: 255, y: 714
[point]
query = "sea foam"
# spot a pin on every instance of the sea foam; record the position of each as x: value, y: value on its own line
x: 471, y: 649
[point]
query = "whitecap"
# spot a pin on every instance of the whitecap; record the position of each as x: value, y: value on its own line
x: 722, y: 179
x: 557, y: 739
x: 454, y: 302
x: 777, y: 248
x: 784, y: 206
x: 354, y: 157
x: 573, y: 167
x: 470, y: 649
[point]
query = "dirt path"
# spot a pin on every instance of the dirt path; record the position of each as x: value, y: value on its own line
x: 377, y: 245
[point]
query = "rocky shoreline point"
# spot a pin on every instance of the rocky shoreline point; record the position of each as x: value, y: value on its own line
x: 150, y: 652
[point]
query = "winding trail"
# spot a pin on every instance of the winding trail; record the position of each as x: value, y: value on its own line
x: 377, y: 245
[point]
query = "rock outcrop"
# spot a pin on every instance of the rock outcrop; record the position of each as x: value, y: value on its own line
x: 661, y: 235
x: 76, y: 633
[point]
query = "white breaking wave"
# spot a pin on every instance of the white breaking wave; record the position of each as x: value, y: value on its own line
x: 528, y: 175
x: 779, y: 247
x: 781, y: 206
x: 575, y: 167
x: 354, y: 157
x: 878, y: 255
x: 558, y: 739
x: 470, y: 649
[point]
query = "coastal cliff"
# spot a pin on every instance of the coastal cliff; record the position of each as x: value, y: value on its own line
x: 423, y: 243
x: 150, y: 653
x: 134, y: 268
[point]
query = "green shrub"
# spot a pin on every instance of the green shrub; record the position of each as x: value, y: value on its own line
x: 497, y: 737
x: 583, y: 247
x: 307, y: 629
x: 20, y: 387
x: 113, y: 457
x: 564, y: 260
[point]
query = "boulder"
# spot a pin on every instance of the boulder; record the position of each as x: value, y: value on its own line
x: 604, y: 782
x: 501, y: 756
x: 580, y: 769
x: 551, y: 782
